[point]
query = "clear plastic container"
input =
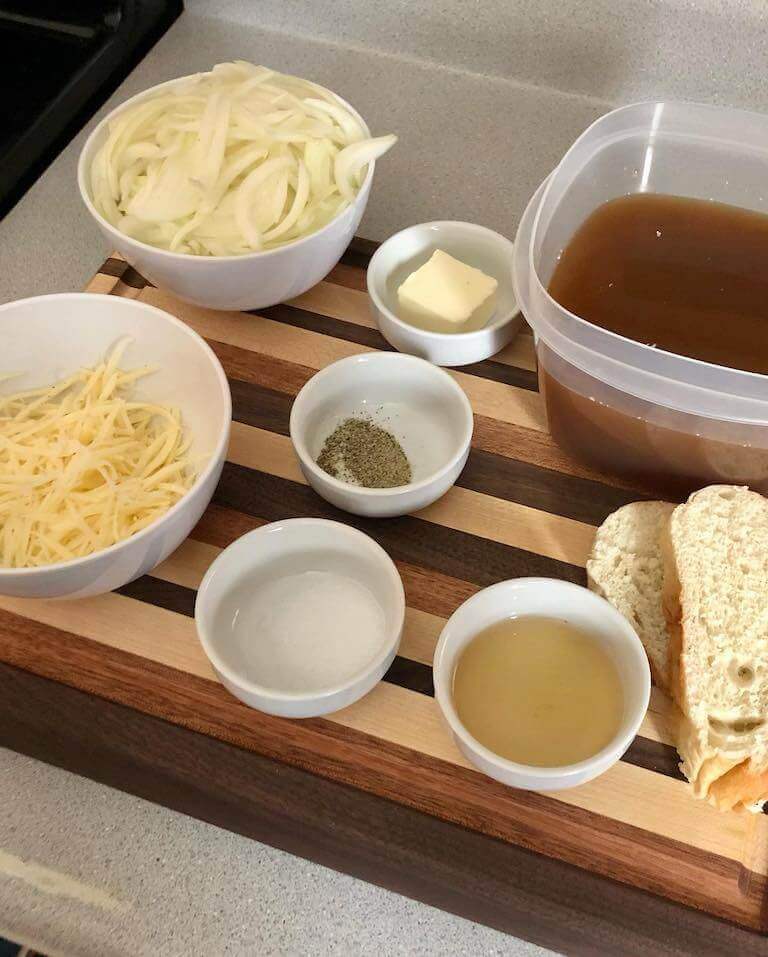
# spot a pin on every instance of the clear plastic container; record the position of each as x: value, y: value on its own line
x: 622, y: 406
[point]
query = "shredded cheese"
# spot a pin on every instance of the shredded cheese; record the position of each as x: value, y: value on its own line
x: 83, y: 466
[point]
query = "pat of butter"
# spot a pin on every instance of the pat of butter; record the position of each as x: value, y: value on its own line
x: 446, y: 295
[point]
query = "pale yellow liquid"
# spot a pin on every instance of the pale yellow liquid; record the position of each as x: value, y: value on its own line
x: 538, y: 691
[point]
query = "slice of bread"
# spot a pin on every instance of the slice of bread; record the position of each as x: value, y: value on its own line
x: 633, y: 565
x: 626, y: 566
x: 718, y: 558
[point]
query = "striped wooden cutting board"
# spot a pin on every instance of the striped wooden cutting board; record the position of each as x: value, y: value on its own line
x: 521, y: 507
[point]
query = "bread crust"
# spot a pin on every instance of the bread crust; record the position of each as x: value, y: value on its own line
x: 739, y: 789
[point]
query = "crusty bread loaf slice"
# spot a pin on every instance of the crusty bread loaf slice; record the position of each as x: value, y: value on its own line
x: 631, y: 555
x: 626, y: 566
x: 718, y: 557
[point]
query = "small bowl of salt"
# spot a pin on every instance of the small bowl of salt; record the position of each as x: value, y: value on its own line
x: 381, y: 433
x: 302, y: 617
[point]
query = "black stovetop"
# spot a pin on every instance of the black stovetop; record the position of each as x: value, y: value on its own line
x: 59, y: 61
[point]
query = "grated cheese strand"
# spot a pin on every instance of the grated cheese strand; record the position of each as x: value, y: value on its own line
x: 84, y: 465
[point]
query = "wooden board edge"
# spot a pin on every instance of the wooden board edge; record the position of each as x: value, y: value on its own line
x: 546, y: 826
x: 503, y: 886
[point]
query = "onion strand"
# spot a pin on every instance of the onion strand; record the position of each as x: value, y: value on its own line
x: 236, y: 160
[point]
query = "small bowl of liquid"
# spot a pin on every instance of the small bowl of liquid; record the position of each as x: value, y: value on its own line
x: 301, y: 617
x: 543, y: 683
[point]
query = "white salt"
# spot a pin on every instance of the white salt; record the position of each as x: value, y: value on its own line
x: 303, y: 632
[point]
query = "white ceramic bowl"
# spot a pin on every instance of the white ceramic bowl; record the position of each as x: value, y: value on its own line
x: 582, y: 608
x: 404, y: 252
x: 422, y: 406
x: 47, y: 338
x: 260, y: 558
x: 253, y: 281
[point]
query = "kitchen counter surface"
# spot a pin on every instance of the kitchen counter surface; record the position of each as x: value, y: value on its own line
x: 85, y: 869
x: 475, y: 139
x: 88, y: 870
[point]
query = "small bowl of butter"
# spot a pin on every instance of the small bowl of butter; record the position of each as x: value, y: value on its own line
x: 443, y: 291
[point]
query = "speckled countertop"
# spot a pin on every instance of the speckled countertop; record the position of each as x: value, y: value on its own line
x: 486, y: 95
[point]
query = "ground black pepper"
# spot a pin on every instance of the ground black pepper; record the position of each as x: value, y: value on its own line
x: 360, y: 452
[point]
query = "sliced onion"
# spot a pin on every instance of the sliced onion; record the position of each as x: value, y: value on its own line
x: 246, y: 192
x: 227, y: 162
x: 351, y: 160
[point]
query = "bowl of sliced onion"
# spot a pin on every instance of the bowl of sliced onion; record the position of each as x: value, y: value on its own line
x: 114, y: 425
x: 233, y: 189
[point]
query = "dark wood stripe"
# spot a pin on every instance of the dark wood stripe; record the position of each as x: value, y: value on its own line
x: 373, y: 339
x: 412, y: 675
x: 134, y: 279
x: 259, y: 407
x: 510, y: 479
x: 113, y: 267
x: 325, y: 325
x: 555, y: 829
x: 261, y: 370
x: 359, y: 252
x: 654, y: 756
x: 506, y: 374
x: 458, y: 554
x: 349, y: 276
x: 513, y: 441
x: 403, y: 672
x: 505, y: 439
x: 161, y: 594
x: 425, y: 589
x: 584, y: 500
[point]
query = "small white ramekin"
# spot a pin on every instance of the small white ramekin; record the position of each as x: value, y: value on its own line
x: 289, y: 547
x: 409, y: 249
x: 421, y: 405
x: 544, y: 597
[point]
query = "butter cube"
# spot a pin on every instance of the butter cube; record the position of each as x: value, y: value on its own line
x: 446, y: 295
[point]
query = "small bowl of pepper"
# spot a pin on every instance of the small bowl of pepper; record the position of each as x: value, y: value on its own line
x: 382, y: 433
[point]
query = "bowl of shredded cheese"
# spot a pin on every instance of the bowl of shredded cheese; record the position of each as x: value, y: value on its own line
x: 114, y: 424
x: 236, y: 188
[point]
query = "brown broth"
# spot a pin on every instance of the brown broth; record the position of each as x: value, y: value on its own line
x: 670, y: 460
x: 685, y: 275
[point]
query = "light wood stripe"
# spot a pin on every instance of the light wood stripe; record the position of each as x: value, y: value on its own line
x: 460, y: 509
x: 119, y: 622
x: 352, y: 305
x: 496, y: 400
x: 625, y: 793
x: 190, y: 561
x: 126, y: 292
x: 103, y: 284
x: 529, y: 442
